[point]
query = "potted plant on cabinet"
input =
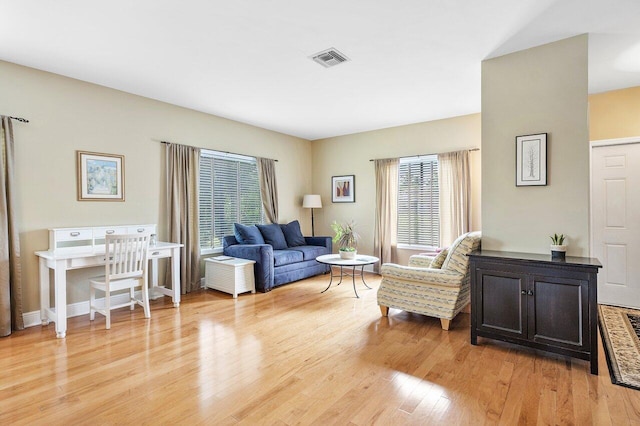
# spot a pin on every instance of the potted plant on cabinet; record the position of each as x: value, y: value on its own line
x: 558, y: 248
x: 346, y: 238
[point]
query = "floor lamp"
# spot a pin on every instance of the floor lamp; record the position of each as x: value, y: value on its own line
x: 312, y: 201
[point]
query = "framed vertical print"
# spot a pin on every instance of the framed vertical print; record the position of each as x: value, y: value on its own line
x: 100, y: 176
x: 343, y: 189
x: 531, y: 160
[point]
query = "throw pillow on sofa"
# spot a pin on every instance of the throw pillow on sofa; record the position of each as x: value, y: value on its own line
x: 247, y: 234
x: 293, y: 234
x: 437, y: 261
x: 273, y: 235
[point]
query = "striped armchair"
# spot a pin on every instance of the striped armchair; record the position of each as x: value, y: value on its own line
x: 433, y: 286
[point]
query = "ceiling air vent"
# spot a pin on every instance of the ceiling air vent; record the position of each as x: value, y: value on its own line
x: 329, y: 58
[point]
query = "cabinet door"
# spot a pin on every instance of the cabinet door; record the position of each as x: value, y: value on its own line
x: 501, y: 302
x: 559, y: 312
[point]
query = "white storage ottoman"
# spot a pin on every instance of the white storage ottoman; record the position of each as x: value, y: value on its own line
x: 229, y: 274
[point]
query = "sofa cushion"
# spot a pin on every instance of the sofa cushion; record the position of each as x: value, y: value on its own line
x: 293, y: 234
x: 247, y: 234
x: 311, y: 252
x: 285, y: 257
x: 273, y: 235
x: 307, y: 269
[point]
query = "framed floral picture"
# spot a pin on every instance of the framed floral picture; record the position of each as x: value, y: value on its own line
x: 100, y: 176
x: 343, y: 189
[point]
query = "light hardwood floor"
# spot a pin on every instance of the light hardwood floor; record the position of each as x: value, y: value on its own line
x: 293, y: 356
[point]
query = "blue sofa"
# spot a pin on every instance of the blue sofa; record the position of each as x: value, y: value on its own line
x: 281, y: 265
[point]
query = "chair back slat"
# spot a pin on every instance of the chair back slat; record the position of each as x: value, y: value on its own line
x: 126, y: 255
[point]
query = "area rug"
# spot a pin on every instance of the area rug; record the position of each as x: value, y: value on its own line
x: 620, y: 330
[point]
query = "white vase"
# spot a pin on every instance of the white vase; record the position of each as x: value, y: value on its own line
x: 348, y: 254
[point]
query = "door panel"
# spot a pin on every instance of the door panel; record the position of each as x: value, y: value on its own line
x: 617, y: 263
x: 615, y: 194
x: 615, y: 227
x: 561, y: 315
x: 503, y: 306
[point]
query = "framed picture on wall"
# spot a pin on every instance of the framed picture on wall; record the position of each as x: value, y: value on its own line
x: 100, y: 176
x: 343, y: 189
x: 531, y: 160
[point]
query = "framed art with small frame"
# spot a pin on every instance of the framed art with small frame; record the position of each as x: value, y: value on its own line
x: 531, y: 160
x: 343, y: 189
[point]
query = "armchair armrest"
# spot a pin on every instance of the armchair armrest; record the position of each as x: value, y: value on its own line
x: 320, y: 241
x: 422, y: 275
x: 262, y: 254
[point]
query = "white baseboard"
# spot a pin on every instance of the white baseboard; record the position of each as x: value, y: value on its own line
x: 31, y: 318
x: 75, y: 309
x: 369, y: 268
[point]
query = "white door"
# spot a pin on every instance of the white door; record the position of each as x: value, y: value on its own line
x: 615, y: 222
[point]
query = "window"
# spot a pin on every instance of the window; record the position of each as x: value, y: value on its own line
x: 229, y: 192
x: 418, y: 201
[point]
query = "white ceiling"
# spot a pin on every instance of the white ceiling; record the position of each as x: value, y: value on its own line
x: 247, y: 60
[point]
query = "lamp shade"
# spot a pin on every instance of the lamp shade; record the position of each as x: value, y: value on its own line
x: 312, y: 201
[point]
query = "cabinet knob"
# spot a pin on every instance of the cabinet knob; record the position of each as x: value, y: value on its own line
x: 530, y: 292
x: 523, y: 292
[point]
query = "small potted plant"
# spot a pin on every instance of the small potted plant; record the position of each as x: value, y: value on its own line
x: 346, y: 238
x: 558, y: 248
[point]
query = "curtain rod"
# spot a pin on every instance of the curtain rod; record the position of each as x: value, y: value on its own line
x: 210, y: 149
x: 421, y: 155
x: 23, y: 120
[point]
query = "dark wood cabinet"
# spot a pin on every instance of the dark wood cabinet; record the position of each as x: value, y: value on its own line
x: 533, y: 300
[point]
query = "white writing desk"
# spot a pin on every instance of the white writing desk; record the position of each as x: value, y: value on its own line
x: 61, y: 261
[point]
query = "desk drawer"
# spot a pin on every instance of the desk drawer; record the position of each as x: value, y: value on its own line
x: 74, y: 234
x: 151, y: 229
x: 158, y: 253
x: 85, y: 262
x: 100, y: 233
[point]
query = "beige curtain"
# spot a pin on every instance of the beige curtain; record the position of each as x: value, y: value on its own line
x: 268, y: 187
x: 182, y: 163
x: 455, y: 190
x: 385, y: 233
x: 10, y: 269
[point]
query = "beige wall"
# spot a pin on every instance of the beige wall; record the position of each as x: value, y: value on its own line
x: 68, y: 115
x: 350, y: 155
x: 543, y: 89
x: 520, y: 96
x: 614, y: 114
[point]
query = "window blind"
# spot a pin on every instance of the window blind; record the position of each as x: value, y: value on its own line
x: 229, y: 192
x: 418, y: 201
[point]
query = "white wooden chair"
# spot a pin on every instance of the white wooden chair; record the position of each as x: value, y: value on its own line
x: 125, y: 268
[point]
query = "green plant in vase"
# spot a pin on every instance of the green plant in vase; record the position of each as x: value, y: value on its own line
x: 346, y: 238
x: 558, y: 248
